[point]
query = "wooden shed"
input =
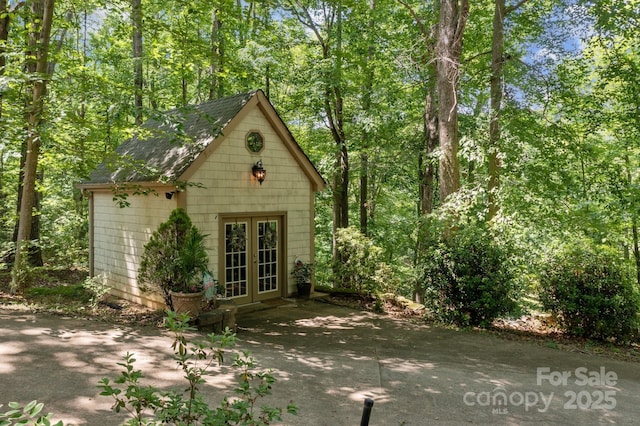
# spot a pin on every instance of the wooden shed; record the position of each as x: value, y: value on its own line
x: 208, y: 159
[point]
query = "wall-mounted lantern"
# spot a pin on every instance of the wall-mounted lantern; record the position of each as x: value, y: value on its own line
x: 259, y: 172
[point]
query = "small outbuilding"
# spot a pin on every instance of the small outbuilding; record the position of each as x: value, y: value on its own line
x: 233, y: 165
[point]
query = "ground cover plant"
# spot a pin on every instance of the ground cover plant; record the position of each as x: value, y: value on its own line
x: 28, y: 414
x: 70, y: 291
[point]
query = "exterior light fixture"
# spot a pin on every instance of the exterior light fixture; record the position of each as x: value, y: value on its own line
x: 259, y: 172
x: 169, y: 195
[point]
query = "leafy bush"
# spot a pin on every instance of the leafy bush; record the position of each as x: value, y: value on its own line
x: 590, y: 291
x: 361, y: 266
x: 175, y: 257
x: 149, y: 405
x: 467, y: 276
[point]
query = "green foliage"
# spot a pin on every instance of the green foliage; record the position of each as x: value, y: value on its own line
x: 30, y: 414
x: 467, y: 275
x: 589, y: 289
x: 149, y: 405
x: 62, y: 291
x: 302, y: 272
x: 361, y: 266
x: 175, y: 257
x: 97, y: 287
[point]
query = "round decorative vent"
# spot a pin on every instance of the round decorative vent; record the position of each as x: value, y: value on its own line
x: 255, y: 142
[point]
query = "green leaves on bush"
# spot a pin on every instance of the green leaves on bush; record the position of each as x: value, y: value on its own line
x: 97, y: 287
x: 175, y: 257
x: 467, y: 276
x: 590, y: 291
x: 27, y: 415
x: 361, y: 266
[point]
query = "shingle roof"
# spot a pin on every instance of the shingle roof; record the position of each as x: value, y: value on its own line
x: 166, y: 145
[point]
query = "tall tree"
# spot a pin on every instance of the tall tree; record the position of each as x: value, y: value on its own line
x: 40, y: 22
x: 427, y: 166
x: 497, y: 88
x: 497, y: 61
x: 216, y: 58
x: 330, y: 43
x: 367, y: 92
x: 452, y: 20
x: 5, y: 16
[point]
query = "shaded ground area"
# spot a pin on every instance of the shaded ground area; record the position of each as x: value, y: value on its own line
x: 328, y: 359
x: 61, y: 291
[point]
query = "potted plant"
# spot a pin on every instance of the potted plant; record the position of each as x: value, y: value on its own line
x: 301, y: 272
x: 173, y: 263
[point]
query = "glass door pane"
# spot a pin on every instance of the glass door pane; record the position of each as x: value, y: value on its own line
x: 236, y: 262
x: 267, y: 255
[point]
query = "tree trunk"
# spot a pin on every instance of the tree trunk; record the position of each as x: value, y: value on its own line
x: 428, y: 167
x: 216, y: 90
x: 426, y: 164
x: 341, y: 176
x: 138, y: 81
x: 35, y: 251
x: 39, y: 37
x: 333, y: 108
x: 452, y: 20
x: 636, y: 246
x: 4, y: 35
x: 367, y: 91
x: 497, y: 65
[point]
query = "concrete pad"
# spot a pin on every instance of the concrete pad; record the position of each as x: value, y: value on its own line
x: 328, y: 359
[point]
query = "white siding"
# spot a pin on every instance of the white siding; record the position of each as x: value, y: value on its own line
x: 119, y: 236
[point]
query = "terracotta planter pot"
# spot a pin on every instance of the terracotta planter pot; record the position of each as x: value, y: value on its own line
x: 188, y: 303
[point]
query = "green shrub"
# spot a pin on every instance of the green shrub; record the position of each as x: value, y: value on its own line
x: 590, y: 291
x: 467, y: 276
x: 175, y: 258
x: 361, y: 266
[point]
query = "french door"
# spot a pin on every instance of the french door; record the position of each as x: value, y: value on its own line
x: 252, y: 258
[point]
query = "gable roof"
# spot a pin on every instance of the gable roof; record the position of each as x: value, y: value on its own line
x: 168, y: 144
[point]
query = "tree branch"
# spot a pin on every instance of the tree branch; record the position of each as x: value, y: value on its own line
x: 423, y: 28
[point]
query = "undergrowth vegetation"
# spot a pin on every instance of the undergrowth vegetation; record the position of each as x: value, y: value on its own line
x: 590, y: 291
x: 467, y: 277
